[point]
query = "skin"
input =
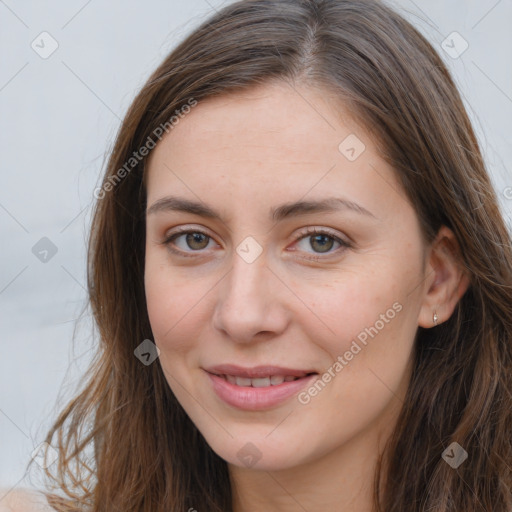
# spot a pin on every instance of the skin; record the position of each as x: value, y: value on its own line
x: 243, y: 154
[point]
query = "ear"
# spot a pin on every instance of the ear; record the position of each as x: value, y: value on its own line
x: 447, y: 280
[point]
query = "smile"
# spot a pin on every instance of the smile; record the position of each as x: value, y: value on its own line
x: 256, y: 389
x: 262, y: 382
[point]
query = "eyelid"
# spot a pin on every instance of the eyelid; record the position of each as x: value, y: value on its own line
x: 187, y: 229
x: 344, y: 241
x: 310, y: 230
x: 183, y: 230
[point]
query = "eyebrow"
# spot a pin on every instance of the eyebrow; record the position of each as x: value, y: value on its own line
x: 286, y: 210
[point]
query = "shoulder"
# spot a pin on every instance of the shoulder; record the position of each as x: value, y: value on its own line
x: 23, y: 500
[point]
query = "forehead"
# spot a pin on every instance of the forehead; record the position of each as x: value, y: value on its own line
x: 276, y: 139
x: 277, y: 117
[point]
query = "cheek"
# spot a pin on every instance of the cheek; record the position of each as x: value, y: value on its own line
x: 367, y: 315
x: 368, y: 355
x: 170, y: 303
x: 179, y: 305
x: 341, y: 309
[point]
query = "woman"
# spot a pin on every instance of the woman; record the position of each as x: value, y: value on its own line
x: 301, y: 281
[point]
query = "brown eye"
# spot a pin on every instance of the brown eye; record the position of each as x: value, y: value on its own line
x: 321, y: 243
x: 186, y: 242
x: 318, y: 242
x: 196, y: 240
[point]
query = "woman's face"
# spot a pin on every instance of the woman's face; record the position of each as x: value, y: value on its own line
x: 280, y: 343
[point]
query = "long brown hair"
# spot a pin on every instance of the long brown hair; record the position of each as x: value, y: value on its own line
x: 147, y: 454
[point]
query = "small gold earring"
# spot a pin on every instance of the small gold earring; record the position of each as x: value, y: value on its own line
x: 435, y: 317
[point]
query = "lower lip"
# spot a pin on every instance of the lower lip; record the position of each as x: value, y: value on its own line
x: 256, y: 399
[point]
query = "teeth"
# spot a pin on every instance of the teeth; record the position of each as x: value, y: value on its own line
x: 243, y: 381
x: 261, y: 382
x: 231, y: 379
x: 276, y: 379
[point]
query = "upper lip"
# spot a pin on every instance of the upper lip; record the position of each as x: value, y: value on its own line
x: 256, y: 371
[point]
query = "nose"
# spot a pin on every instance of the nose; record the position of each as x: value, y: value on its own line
x: 251, y: 302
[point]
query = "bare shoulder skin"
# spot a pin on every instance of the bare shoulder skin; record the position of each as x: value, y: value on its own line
x: 23, y: 500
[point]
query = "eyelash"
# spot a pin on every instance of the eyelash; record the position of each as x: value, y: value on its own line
x: 305, y: 234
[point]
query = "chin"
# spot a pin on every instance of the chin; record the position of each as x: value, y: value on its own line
x: 261, y: 454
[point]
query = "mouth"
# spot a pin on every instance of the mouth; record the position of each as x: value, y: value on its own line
x: 258, y: 388
x: 260, y: 382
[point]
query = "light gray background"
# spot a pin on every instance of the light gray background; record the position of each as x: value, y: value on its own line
x: 59, y: 116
